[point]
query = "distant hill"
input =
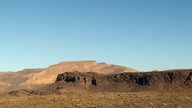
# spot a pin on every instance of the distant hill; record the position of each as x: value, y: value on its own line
x: 49, y: 74
x: 30, y: 78
x: 170, y: 81
x: 83, y: 76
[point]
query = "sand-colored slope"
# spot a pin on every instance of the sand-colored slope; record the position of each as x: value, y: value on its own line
x: 12, y: 80
x: 49, y: 74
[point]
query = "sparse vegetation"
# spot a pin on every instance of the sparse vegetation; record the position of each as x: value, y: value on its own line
x: 100, y: 100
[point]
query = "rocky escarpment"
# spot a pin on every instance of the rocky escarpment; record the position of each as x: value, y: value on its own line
x: 150, y: 81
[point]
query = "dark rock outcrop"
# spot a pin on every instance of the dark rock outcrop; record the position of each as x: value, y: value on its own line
x: 142, y: 81
x: 188, y: 80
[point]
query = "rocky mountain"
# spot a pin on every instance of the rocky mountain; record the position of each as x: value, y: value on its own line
x: 30, y: 78
x: 90, y: 76
x: 49, y: 74
x: 171, y: 80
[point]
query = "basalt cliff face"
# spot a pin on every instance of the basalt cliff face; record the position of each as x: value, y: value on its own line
x: 175, y: 80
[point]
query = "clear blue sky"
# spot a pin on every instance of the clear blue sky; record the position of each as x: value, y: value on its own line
x: 142, y: 34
